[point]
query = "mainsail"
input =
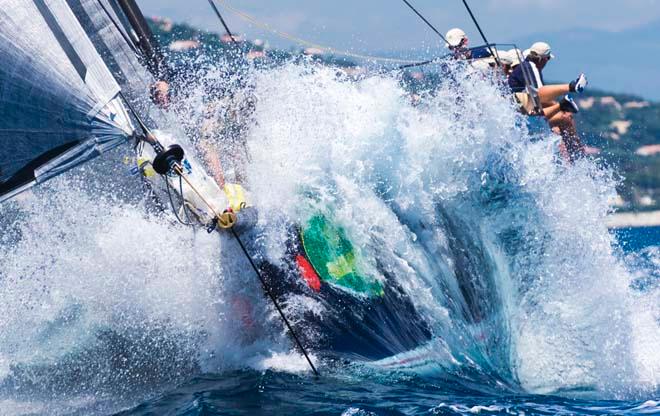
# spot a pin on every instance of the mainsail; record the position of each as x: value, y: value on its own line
x: 58, y: 99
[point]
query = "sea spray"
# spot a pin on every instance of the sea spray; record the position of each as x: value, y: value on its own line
x: 440, y: 192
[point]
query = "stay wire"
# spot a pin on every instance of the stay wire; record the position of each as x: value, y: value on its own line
x: 276, y: 303
x: 126, y: 37
x: 183, y: 205
x: 256, y: 270
x: 425, y: 21
x: 224, y: 24
x: 416, y: 64
x: 481, y: 32
x: 284, y: 35
x: 135, y: 114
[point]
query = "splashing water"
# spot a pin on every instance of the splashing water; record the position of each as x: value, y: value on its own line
x: 501, y: 248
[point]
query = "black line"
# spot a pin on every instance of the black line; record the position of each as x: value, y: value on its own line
x: 474, y: 19
x: 224, y: 24
x: 425, y: 21
x: 123, y: 34
x: 277, y: 305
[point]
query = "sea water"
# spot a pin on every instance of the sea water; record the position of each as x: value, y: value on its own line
x: 107, y: 305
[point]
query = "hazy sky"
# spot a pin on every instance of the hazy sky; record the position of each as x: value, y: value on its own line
x: 373, y: 25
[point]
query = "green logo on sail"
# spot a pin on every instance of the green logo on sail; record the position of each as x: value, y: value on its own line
x: 334, y: 258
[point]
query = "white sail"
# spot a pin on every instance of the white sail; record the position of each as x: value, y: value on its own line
x: 58, y: 98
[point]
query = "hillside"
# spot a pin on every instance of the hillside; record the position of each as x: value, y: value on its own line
x: 623, y: 130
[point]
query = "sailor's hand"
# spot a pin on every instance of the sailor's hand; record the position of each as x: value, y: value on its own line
x: 160, y: 94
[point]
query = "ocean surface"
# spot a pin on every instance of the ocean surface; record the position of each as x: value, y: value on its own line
x: 503, y: 291
x: 346, y: 390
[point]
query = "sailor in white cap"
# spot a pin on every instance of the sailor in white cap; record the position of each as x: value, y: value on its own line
x: 536, y: 58
x: 558, y: 113
x: 457, y: 42
x: 456, y: 38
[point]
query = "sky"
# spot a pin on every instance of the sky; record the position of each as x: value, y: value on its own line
x: 371, y: 26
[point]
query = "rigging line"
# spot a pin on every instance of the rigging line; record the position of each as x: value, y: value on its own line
x: 304, y: 42
x: 127, y: 39
x: 149, y: 137
x: 449, y: 55
x: 430, y: 61
x: 425, y: 21
x: 169, y: 194
x: 135, y: 114
x: 276, y: 303
x: 224, y: 24
x: 247, y: 255
x: 183, y: 204
x: 178, y: 170
x: 481, y: 32
x: 272, y: 297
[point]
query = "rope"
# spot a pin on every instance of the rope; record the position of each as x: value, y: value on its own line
x: 182, y: 175
x: 307, y: 43
x: 169, y: 194
x: 276, y: 303
x: 224, y: 24
x: 481, y: 32
x: 183, y: 205
x: 425, y: 21
x: 272, y: 297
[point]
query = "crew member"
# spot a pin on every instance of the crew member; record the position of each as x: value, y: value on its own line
x: 559, y: 114
x: 457, y: 42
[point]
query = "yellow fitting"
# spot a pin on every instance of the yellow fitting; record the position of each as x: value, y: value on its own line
x: 145, y: 167
x: 236, y: 196
x: 227, y: 219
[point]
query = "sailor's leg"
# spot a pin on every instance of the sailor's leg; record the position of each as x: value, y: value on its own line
x: 571, y: 143
x: 551, y: 110
x: 210, y: 155
x: 549, y: 93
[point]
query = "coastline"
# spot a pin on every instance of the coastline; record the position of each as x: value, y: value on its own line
x: 634, y: 219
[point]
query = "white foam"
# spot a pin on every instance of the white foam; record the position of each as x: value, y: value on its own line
x: 87, y: 263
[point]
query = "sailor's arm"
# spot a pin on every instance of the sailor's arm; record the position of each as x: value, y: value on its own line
x: 210, y: 154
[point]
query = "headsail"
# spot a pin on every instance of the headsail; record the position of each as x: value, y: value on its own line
x: 118, y: 44
x: 58, y: 99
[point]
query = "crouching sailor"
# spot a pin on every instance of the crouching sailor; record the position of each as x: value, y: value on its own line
x: 559, y: 114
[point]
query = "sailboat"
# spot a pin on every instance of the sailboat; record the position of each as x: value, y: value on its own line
x: 74, y: 85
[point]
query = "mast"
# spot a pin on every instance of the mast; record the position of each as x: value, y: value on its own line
x: 146, y: 41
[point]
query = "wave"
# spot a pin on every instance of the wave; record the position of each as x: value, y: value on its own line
x: 498, y: 245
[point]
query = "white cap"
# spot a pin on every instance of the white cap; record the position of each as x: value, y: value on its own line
x: 503, y: 57
x: 541, y: 49
x: 526, y: 53
x: 483, y: 63
x: 514, y: 56
x: 454, y: 37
